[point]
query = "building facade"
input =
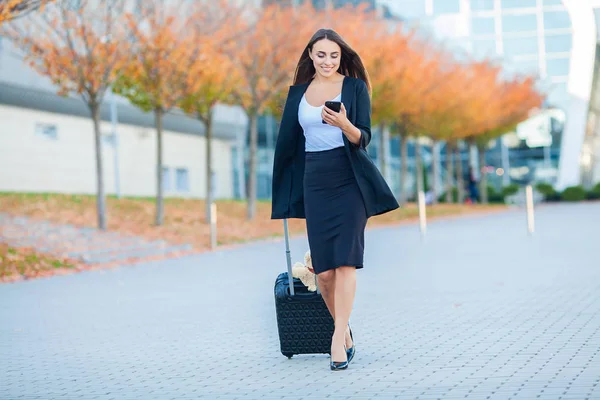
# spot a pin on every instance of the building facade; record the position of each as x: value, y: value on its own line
x: 45, y: 150
x: 47, y: 142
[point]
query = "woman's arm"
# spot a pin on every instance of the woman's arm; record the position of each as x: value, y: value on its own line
x: 352, y: 133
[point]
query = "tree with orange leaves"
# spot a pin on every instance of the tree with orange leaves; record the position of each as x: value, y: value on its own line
x: 211, y: 75
x: 385, y: 59
x: 157, y: 77
x: 216, y: 83
x: 425, y: 73
x: 511, y: 105
x: 449, y: 110
x: 11, y: 9
x: 265, y: 58
x: 78, y: 57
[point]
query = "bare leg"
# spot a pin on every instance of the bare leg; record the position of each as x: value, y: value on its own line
x: 326, y: 282
x: 345, y: 288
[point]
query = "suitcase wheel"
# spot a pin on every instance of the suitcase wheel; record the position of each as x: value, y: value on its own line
x: 288, y: 355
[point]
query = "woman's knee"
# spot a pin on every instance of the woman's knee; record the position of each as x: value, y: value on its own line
x: 346, y: 270
x: 327, y: 277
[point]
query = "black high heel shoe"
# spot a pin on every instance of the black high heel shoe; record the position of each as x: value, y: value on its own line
x: 352, y: 350
x: 338, y: 365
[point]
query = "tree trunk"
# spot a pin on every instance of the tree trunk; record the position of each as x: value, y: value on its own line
x: 460, y: 182
x: 436, y: 171
x: 449, y: 173
x: 483, y: 193
x: 209, y: 170
x: 100, y: 196
x: 158, y: 116
x: 403, y: 168
x: 382, y: 152
x: 252, y: 168
x: 418, y: 169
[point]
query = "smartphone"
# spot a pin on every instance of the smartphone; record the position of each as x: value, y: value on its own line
x: 333, y: 105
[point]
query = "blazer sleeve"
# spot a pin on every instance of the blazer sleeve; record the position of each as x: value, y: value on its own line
x: 283, y: 159
x: 363, y: 114
x: 286, y: 140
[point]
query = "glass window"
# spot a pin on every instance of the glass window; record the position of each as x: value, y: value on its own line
x: 521, y: 67
x: 556, y: 20
x: 484, y: 48
x: 527, y: 67
x: 558, y: 96
x: 557, y: 66
x: 519, y: 23
x: 166, y: 179
x: 558, y: 43
x: 552, y: 2
x: 483, y: 26
x: 182, y: 180
x: 482, y: 5
x: 48, y: 131
x: 446, y: 6
x: 508, y: 4
x: 410, y: 8
x: 520, y: 46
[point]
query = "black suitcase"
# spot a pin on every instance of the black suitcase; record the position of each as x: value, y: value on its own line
x: 304, y: 323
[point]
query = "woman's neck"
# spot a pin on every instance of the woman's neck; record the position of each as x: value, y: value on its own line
x: 333, y: 79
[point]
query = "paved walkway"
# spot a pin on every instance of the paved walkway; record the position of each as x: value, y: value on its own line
x: 477, y: 310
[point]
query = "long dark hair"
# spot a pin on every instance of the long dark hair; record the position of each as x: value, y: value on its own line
x: 350, y: 63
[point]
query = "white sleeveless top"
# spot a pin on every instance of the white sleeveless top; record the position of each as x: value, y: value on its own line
x: 319, y: 136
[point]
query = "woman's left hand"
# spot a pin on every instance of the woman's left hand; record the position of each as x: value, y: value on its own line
x: 334, y: 118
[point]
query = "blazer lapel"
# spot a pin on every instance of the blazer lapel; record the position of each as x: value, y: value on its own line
x: 295, y: 95
x: 297, y: 91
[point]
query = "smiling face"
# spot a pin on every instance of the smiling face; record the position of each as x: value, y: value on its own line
x: 326, y: 56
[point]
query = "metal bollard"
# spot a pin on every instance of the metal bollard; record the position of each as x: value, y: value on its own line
x: 422, y: 213
x: 529, y: 204
x: 213, y: 226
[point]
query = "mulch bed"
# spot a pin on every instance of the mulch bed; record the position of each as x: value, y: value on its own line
x: 184, y: 223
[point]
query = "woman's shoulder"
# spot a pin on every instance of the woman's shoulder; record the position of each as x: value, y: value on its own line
x: 357, y: 83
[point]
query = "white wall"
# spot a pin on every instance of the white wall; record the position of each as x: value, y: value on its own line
x: 32, y: 162
x: 579, y: 87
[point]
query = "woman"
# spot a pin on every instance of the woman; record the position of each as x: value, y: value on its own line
x: 472, y: 185
x: 322, y: 173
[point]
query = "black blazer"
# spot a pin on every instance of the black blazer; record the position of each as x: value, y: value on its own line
x: 288, y: 165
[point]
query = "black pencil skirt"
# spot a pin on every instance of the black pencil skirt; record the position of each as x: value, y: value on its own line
x: 335, y: 213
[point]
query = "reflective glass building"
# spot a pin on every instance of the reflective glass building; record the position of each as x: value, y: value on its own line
x: 525, y: 37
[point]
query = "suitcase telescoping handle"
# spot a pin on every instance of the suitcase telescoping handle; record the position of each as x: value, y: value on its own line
x: 288, y: 256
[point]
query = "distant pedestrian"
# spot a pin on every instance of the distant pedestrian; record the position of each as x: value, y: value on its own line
x: 322, y: 172
x: 472, y: 186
